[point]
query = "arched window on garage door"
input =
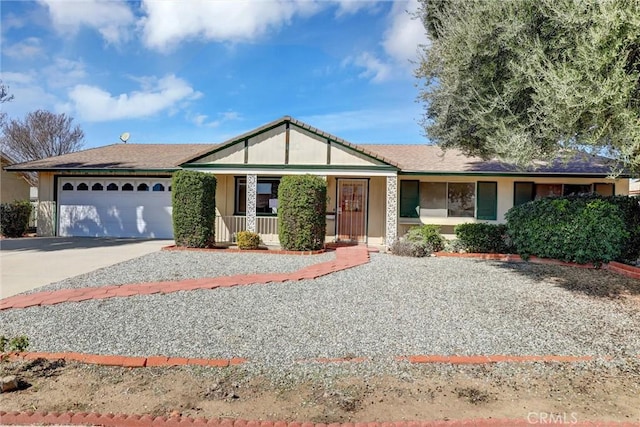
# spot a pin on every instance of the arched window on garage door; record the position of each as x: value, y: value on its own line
x: 97, y: 187
x: 82, y: 187
x: 112, y: 187
x: 67, y: 187
x: 143, y: 187
x: 127, y: 187
x: 158, y: 187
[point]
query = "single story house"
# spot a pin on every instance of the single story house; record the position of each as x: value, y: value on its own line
x: 376, y: 192
x: 13, y: 186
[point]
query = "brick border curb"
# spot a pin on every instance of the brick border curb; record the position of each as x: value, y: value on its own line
x: 616, y: 267
x: 113, y: 420
x: 174, y: 248
x: 128, y: 361
x: 346, y: 257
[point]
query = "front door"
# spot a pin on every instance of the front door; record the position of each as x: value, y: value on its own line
x: 352, y: 210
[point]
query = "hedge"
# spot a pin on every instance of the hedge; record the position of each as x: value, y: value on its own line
x: 428, y: 235
x: 194, y: 208
x: 582, y: 229
x: 302, y: 207
x: 484, y: 238
x: 14, y: 218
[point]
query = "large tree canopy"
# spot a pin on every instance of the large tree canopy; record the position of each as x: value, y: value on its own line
x: 531, y: 79
x: 41, y: 134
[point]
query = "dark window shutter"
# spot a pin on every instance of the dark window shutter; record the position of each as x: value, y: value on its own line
x: 523, y: 192
x: 487, y: 200
x: 409, y: 198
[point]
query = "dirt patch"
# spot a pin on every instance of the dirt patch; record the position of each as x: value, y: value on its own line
x: 585, y: 391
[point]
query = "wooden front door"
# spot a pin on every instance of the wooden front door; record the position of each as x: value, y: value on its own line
x: 351, y: 210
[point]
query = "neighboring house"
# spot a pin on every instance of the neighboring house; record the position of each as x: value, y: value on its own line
x: 376, y: 192
x: 13, y: 186
x: 634, y: 187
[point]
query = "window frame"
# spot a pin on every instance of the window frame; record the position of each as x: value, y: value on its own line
x: 242, y: 181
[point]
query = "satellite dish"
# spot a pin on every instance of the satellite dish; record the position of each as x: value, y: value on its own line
x: 125, y: 137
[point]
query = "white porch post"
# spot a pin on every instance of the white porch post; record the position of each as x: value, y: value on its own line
x: 252, y: 194
x: 392, y: 210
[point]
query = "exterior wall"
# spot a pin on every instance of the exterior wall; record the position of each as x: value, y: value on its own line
x: 232, y: 155
x: 46, y: 225
x: 306, y: 149
x: 377, y: 210
x: 505, y: 187
x: 344, y: 156
x: 13, y: 186
x: 267, y: 148
x: 331, y: 209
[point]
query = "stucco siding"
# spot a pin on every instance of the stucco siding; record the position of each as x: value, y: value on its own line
x: 268, y: 148
x: 306, y: 148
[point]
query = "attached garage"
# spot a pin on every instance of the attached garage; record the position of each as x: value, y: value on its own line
x: 116, y: 207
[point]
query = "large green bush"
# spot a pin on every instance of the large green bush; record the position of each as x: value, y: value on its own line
x: 428, y: 235
x: 302, y: 206
x: 483, y: 237
x: 194, y: 208
x: 583, y: 229
x: 14, y: 218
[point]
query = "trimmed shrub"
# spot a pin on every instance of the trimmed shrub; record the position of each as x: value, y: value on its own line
x: 427, y: 234
x: 404, y: 247
x: 483, y: 238
x: 302, y: 209
x: 247, y: 240
x: 582, y: 229
x: 194, y: 208
x: 14, y: 218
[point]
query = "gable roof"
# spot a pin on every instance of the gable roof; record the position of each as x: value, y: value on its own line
x: 422, y: 158
x: 302, y: 125
x: 150, y: 157
x: 408, y: 159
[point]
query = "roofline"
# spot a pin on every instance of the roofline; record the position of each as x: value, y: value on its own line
x: 515, y: 174
x: 288, y: 119
x: 94, y: 170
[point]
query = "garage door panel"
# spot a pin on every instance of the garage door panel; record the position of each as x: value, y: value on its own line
x: 115, y: 213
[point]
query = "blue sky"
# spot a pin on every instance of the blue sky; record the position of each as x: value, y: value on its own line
x: 205, y: 71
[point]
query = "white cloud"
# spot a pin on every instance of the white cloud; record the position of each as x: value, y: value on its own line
x: 95, y: 104
x: 400, y: 45
x: 28, y: 48
x: 64, y: 72
x: 351, y: 7
x: 202, y: 120
x: 374, y: 68
x: 405, y: 34
x: 167, y: 23
x: 112, y: 19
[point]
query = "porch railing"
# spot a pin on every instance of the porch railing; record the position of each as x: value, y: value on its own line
x: 228, y: 225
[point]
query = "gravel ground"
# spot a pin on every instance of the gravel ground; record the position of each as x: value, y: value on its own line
x: 176, y: 265
x: 389, y: 307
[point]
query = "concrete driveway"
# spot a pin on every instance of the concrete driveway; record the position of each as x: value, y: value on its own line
x: 28, y: 263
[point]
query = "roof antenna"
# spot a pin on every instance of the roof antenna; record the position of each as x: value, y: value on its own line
x: 125, y: 137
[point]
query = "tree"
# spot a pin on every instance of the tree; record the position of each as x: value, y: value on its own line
x: 41, y: 134
x: 4, y: 97
x: 532, y: 79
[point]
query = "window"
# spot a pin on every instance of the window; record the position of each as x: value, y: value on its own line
x: 461, y: 199
x: 67, y: 187
x: 143, y: 187
x: 487, y: 201
x: 442, y: 199
x: 433, y: 199
x: 112, y: 187
x: 82, y: 187
x: 576, y: 189
x: 527, y: 191
x: 266, y: 196
x: 158, y: 187
x: 97, y: 187
x: 127, y: 187
x: 409, y: 198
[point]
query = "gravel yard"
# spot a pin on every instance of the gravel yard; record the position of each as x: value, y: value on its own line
x: 392, y: 306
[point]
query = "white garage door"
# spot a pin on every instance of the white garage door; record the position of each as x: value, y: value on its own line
x: 117, y: 207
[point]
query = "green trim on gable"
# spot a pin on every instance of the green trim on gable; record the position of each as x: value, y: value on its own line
x: 288, y: 167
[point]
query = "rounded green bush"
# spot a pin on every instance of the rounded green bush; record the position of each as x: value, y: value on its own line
x: 194, y: 208
x: 14, y: 218
x: 302, y: 208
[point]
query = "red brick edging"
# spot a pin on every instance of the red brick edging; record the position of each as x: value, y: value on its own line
x: 616, y: 267
x: 122, y: 420
x: 346, y: 257
x: 238, y: 250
